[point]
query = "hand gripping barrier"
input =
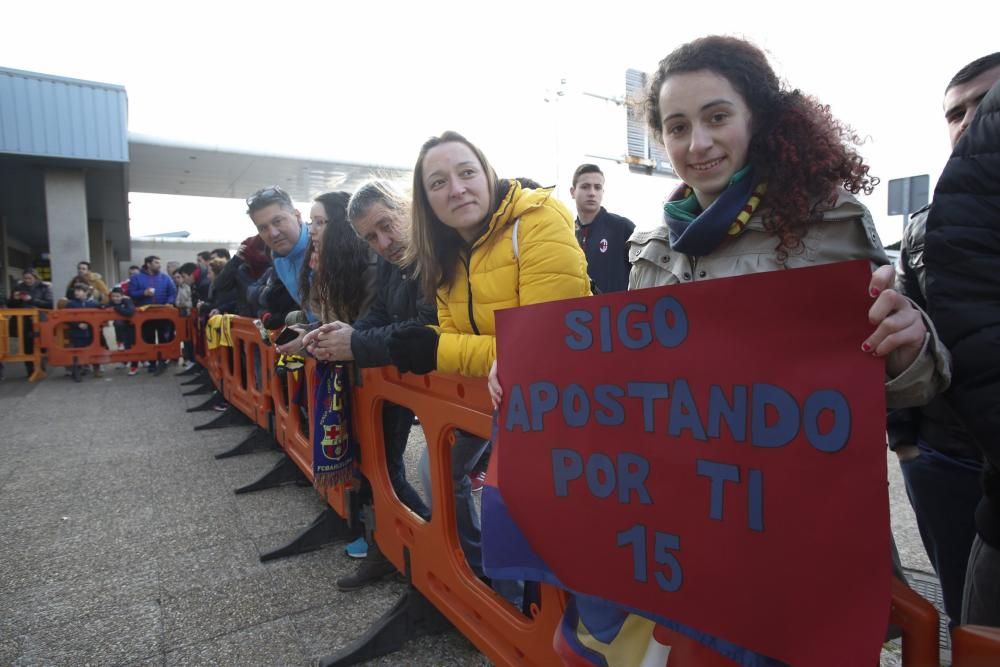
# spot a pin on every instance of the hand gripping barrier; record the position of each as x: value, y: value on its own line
x: 430, y: 553
x: 22, y: 324
x: 94, y: 352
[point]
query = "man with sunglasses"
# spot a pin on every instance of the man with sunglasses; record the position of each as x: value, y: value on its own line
x: 280, y: 227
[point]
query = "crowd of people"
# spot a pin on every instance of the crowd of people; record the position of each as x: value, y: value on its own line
x: 770, y: 182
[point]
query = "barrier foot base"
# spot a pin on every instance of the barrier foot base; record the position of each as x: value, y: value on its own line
x: 194, y: 370
x: 284, y: 472
x: 204, y: 389
x: 411, y: 617
x: 327, y: 528
x: 216, y: 398
x: 231, y: 417
x: 201, y: 379
x: 258, y: 440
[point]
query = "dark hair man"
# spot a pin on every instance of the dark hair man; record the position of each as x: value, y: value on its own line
x: 280, y: 227
x: 962, y: 280
x: 220, y: 252
x: 153, y: 287
x: 602, y: 235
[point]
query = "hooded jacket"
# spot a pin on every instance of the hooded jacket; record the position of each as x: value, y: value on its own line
x: 962, y: 260
x: 548, y: 266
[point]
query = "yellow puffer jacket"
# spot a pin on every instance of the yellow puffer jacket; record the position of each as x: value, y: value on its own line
x: 549, y: 266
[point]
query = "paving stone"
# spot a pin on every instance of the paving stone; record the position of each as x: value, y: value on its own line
x: 11, y: 650
x: 310, y: 580
x: 208, y: 567
x: 200, y: 614
x: 125, y: 635
x: 95, y: 593
x: 449, y: 649
x: 275, y: 643
x: 282, y: 508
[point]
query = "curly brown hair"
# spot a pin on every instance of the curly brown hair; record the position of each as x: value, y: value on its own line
x: 798, y: 148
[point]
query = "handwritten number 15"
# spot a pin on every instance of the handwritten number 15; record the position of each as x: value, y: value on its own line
x: 663, y: 544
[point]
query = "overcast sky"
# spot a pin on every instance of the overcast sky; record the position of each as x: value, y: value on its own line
x: 369, y: 81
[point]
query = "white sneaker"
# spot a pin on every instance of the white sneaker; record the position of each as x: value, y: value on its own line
x: 189, y: 365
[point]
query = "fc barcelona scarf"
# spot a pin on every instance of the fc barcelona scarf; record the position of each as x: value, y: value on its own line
x: 334, y: 449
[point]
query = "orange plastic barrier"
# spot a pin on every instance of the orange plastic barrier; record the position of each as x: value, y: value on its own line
x: 25, y: 322
x: 430, y: 551
x: 975, y: 646
x: 919, y: 621
x: 437, y: 564
x: 197, y: 337
x: 247, y: 387
x: 59, y: 354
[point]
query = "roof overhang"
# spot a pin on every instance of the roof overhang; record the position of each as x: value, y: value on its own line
x: 162, y: 166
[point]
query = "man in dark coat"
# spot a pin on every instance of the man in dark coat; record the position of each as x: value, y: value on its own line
x: 962, y: 258
x: 939, y: 459
x: 602, y: 235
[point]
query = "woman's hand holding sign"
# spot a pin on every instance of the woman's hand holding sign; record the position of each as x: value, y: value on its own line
x: 900, y: 329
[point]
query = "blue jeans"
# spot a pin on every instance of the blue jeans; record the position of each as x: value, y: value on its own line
x: 944, y: 493
x: 396, y: 423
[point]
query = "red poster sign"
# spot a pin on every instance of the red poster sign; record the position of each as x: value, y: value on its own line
x: 711, y: 453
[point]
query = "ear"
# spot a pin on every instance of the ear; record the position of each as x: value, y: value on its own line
x: 572, y: 191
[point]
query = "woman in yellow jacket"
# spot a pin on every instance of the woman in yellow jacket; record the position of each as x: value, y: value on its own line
x: 480, y: 243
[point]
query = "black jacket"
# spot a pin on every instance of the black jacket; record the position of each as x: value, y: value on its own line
x: 606, y: 249
x: 962, y: 258
x: 934, y: 424
x: 398, y: 301
x: 41, y: 295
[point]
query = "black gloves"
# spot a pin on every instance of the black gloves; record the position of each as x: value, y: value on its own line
x: 413, y: 349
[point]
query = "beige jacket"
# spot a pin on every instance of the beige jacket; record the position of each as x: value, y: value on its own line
x: 846, y: 232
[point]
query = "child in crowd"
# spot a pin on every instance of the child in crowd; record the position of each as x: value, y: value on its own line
x: 124, y: 331
x: 79, y: 332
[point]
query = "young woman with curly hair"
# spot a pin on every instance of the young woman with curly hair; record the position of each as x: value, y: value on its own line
x: 769, y: 178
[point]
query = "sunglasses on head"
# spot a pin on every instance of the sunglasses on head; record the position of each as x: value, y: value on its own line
x: 266, y: 196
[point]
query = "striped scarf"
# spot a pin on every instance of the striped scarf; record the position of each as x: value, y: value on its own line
x: 698, y: 233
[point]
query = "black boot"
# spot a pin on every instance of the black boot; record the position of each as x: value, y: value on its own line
x: 375, y: 566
